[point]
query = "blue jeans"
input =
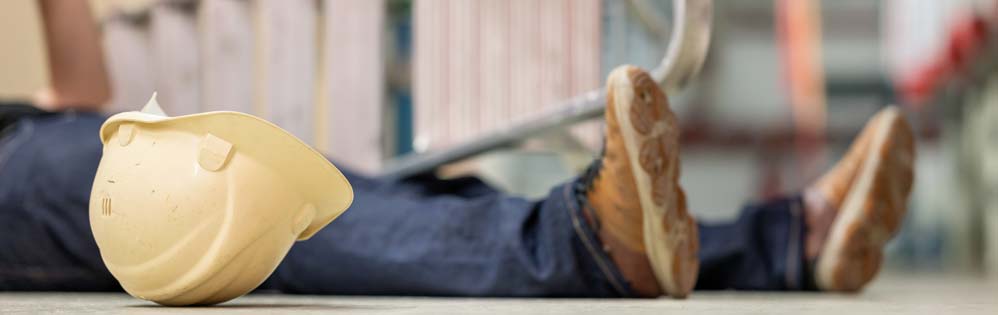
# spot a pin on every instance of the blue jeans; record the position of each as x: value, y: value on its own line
x: 418, y: 236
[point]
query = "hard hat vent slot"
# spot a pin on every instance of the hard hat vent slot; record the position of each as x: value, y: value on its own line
x: 105, y: 206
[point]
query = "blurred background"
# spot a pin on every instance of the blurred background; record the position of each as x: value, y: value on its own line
x: 785, y: 87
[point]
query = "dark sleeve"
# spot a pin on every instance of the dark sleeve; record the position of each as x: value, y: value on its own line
x: 11, y: 112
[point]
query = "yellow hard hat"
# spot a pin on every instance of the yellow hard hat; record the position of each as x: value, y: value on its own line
x: 200, y: 209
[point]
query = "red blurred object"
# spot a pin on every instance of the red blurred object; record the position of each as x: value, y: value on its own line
x: 799, y: 33
x: 968, y: 35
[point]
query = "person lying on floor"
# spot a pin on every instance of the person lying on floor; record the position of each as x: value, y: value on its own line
x: 621, y: 229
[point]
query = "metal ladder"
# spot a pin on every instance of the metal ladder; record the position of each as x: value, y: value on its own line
x: 685, y: 54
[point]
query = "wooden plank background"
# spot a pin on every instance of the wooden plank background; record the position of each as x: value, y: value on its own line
x: 481, y: 65
x: 128, y: 56
x: 227, y: 53
x: 316, y: 68
x: 353, y: 83
x: 175, y: 56
x: 287, y: 60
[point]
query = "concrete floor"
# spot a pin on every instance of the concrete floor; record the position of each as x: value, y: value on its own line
x: 928, y: 295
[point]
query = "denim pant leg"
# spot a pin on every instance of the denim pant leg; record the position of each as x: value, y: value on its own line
x: 436, y: 237
x: 762, y: 250
x: 47, y: 166
x: 421, y: 236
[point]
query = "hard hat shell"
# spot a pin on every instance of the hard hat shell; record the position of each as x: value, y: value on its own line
x: 200, y: 209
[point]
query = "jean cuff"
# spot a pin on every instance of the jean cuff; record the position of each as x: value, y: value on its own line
x: 797, y: 270
x: 575, y: 198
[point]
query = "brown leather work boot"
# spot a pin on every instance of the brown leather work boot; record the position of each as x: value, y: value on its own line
x: 825, y: 196
x: 866, y: 197
x: 639, y: 207
x: 835, y: 184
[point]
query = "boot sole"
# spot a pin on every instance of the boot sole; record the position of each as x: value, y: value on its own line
x: 872, y: 210
x: 650, y: 136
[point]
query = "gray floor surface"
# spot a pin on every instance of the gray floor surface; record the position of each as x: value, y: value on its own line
x: 891, y: 294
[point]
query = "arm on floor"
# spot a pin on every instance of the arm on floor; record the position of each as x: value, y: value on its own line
x: 79, y: 79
